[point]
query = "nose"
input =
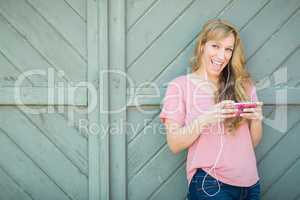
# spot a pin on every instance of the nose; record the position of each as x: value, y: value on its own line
x: 221, y: 53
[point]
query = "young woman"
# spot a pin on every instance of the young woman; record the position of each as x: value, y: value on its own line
x: 200, y: 114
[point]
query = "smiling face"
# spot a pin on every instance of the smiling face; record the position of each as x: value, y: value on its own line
x: 215, y: 55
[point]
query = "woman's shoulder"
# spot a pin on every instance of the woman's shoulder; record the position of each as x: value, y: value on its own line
x: 249, y: 84
x: 250, y: 88
x: 182, y: 79
x: 177, y: 84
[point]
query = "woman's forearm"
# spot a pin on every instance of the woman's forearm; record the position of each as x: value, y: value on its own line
x: 256, y: 131
x: 182, y: 138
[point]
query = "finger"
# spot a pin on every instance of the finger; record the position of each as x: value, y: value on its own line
x: 251, y: 115
x: 259, y: 103
x: 258, y: 110
x: 252, y: 110
x: 230, y: 111
x: 227, y: 103
x: 248, y: 115
x: 229, y: 115
x: 249, y: 110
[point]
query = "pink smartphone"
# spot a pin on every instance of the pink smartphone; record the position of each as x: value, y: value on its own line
x: 241, y: 105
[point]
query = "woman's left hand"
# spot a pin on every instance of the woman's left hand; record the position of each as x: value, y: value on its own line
x: 253, y: 113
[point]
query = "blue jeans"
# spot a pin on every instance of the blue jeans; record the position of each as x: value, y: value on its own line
x: 223, y: 191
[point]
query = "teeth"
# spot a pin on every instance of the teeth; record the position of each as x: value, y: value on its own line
x: 217, y: 63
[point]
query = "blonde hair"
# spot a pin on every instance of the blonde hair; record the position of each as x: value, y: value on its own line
x: 232, y: 86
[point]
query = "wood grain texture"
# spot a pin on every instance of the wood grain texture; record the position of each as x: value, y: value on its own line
x: 9, y: 73
x: 65, y: 21
x: 43, y: 156
x: 159, y: 168
x: 154, y: 59
x: 40, y: 96
x: 179, y: 65
x: 93, y: 114
x: 51, y: 156
x: 138, y: 118
x: 144, y: 33
x: 175, y: 187
x: 144, y: 146
x: 44, y: 152
x: 117, y: 96
x: 264, y: 24
x: 79, y: 7
x: 31, y: 179
x: 137, y: 9
x: 286, y: 149
x: 287, y: 186
x: 10, y: 190
x: 281, y: 44
x: 44, y: 39
x: 104, y: 100
x: 272, y: 60
x: 24, y: 58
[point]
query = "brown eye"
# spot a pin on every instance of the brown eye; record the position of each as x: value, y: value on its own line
x: 215, y: 46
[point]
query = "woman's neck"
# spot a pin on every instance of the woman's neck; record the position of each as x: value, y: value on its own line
x: 201, y: 74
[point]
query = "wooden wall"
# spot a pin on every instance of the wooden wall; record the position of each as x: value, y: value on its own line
x: 144, y: 43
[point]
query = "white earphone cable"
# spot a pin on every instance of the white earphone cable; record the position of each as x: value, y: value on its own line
x: 222, y: 131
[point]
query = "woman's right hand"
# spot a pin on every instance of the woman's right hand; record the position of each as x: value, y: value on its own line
x: 221, y: 111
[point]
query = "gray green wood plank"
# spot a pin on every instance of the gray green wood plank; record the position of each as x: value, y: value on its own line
x: 64, y: 136
x: 176, y: 187
x: 276, y: 49
x: 287, y: 187
x: 147, y: 30
x: 40, y: 96
x: 104, y: 99
x: 31, y: 178
x: 9, y: 73
x: 136, y: 9
x: 79, y: 6
x: 180, y: 65
x: 280, y: 158
x: 274, y: 130
x: 49, y: 44
x: 44, y: 153
x: 117, y: 88
x: 10, y: 190
x: 24, y: 57
x: 67, y: 23
x: 151, y: 62
x: 146, y: 145
x: 137, y: 118
x: 265, y: 25
x: 156, y: 171
x: 93, y: 109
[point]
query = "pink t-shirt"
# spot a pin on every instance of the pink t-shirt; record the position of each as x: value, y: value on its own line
x: 186, y: 100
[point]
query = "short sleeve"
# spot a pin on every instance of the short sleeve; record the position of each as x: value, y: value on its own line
x: 173, y: 104
x: 252, y: 93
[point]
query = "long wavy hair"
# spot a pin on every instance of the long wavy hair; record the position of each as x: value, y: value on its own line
x: 232, y: 86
